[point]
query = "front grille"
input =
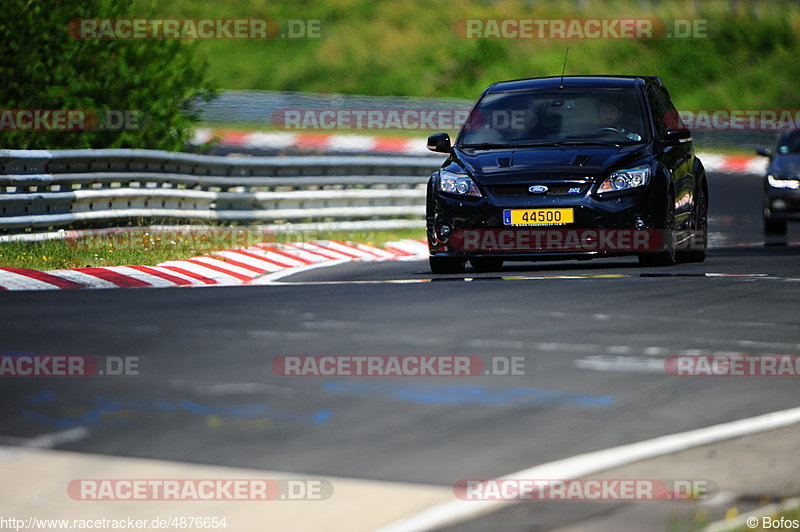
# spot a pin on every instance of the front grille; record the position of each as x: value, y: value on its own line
x: 554, y: 189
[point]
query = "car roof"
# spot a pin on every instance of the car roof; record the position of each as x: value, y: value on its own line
x: 573, y: 82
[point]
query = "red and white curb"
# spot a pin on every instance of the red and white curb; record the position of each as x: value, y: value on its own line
x: 227, y: 267
x: 734, y: 164
x: 344, y: 143
x: 337, y: 143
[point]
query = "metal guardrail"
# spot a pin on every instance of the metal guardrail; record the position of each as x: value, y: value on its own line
x: 99, y: 188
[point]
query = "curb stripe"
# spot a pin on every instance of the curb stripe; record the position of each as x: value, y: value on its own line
x: 83, y: 279
x: 261, y: 258
x: 277, y: 251
x: 219, y: 269
x: 203, y: 270
x: 45, y: 277
x: 180, y: 281
x: 17, y: 281
x: 145, y: 277
x: 330, y: 249
x: 231, y: 257
x: 314, y: 251
x: 123, y: 281
x: 182, y: 271
x: 356, y: 248
x: 233, y: 262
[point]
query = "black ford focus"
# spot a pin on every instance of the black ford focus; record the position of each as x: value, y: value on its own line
x: 568, y: 168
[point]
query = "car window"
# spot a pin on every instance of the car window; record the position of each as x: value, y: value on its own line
x: 789, y: 143
x: 537, y: 116
x: 673, y: 118
x: 659, y: 112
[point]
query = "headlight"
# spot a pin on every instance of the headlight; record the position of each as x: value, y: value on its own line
x: 625, y: 179
x: 775, y: 182
x: 457, y: 184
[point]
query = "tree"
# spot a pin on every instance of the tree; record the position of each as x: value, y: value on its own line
x: 43, y: 67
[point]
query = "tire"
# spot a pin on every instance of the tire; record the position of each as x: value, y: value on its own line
x: 445, y: 265
x: 775, y: 232
x: 775, y: 227
x: 700, y: 226
x: 486, y: 264
x: 667, y: 257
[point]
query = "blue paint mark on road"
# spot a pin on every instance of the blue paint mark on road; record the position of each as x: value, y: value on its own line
x: 453, y: 394
x: 102, y: 407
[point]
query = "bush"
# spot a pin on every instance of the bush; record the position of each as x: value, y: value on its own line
x: 42, y: 67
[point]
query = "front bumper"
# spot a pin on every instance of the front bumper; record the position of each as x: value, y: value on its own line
x: 618, y: 211
x: 781, y: 203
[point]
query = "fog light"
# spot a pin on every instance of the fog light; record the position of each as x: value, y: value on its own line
x: 444, y: 231
x: 638, y: 223
x: 779, y: 204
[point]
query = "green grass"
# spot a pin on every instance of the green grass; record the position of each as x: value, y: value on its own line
x: 408, y: 48
x: 148, y: 247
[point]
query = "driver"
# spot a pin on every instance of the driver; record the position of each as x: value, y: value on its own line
x: 609, y: 116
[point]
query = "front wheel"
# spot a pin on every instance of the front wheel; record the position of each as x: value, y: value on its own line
x: 699, y: 240
x: 775, y: 232
x: 446, y: 265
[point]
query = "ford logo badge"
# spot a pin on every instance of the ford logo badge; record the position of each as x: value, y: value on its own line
x: 537, y: 189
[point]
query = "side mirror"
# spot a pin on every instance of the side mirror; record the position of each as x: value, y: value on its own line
x: 764, y: 151
x: 440, y: 142
x: 674, y: 134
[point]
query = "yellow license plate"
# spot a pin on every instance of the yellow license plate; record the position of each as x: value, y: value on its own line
x: 538, y: 216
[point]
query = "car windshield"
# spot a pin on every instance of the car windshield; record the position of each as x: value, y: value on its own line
x: 559, y: 117
x: 789, y: 143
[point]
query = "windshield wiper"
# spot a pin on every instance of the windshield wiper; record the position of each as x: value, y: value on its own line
x: 587, y: 143
x: 489, y: 146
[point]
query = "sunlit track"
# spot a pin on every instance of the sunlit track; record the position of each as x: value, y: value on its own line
x: 710, y: 275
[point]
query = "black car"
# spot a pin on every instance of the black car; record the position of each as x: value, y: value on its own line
x: 781, y: 186
x: 541, y: 158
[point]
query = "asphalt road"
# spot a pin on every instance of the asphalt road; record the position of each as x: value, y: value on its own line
x: 590, y: 334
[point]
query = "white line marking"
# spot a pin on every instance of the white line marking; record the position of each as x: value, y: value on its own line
x: 582, y: 465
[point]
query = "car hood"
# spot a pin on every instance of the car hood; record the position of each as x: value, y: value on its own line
x: 788, y: 164
x: 524, y: 164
